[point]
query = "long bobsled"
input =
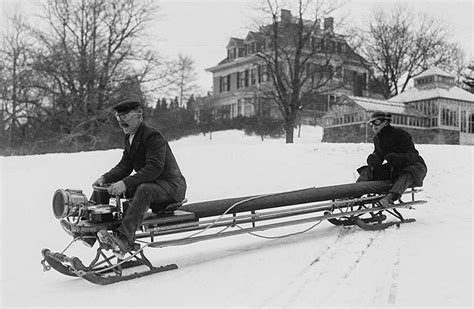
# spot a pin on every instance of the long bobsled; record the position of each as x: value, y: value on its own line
x: 346, y: 204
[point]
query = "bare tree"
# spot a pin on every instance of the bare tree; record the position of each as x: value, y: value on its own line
x: 88, y: 50
x: 402, y: 45
x: 183, y: 79
x: 16, y: 93
x: 468, y: 77
x: 458, y: 65
x: 301, y: 59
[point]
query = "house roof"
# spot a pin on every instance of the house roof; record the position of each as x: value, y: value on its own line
x: 371, y: 105
x: 433, y: 71
x: 235, y: 42
x: 417, y: 94
x: 252, y: 35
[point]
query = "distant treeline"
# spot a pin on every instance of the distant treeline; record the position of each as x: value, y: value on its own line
x: 172, y: 121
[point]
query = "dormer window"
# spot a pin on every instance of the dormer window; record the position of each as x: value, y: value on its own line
x: 232, y: 53
x: 252, y: 48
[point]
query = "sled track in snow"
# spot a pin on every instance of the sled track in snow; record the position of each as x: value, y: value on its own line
x: 352, y: 262
x: 395, y: 273
x: 343, y: 255
x: 309, y: 274
x: 322, y: 255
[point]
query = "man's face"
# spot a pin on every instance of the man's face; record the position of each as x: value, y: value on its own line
x: 378, y: 124
x: 129, y: 121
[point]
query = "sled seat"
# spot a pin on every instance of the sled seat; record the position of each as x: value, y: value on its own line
x: 166, y: 208
x: 168, y: 214
x: 178, y: 216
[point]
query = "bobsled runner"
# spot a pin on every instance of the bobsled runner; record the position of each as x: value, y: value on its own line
x: 182, y: 223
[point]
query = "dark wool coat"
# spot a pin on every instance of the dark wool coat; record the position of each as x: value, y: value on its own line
x: 396, y: 140
x: 152, y: 159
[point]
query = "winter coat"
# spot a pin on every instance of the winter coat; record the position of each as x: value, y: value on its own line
x: 398, y: 143
x: 152, y: 159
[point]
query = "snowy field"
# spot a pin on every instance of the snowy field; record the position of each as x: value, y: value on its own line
x: 426, y: 263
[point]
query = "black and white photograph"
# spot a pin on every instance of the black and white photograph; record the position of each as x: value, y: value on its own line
x: 236, y: 153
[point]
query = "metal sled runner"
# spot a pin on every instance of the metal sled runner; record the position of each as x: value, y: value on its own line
x: 349, y: 204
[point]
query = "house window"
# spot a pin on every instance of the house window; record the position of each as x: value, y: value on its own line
x: 470, y: 123
x: 244, y: 78
x: 232, y: 53
x: 332, y: 46
x: 449, y: 117
x: 322, y: 44
x: 262, y: 73
x: 253, y: 77
x: 463, y: 121
x: 224, y: 83
x: 249, y: 108
x: 331, y: 99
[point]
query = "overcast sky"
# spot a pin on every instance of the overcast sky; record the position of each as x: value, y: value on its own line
x: 202, y: 28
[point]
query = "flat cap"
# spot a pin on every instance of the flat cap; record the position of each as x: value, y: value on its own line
x: 126, y: 106
x: 380, y: 115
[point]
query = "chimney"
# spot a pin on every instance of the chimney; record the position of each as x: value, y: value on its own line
x: 285, y: 16
x: 329, y: 24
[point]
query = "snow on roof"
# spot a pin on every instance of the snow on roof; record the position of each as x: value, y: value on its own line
x: 369, y: 104
x: 416, y: 94
x: 433, y: 71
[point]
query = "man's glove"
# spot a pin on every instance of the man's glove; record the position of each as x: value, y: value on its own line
x: 117, y: 188
x: 373, y: 160
x: 99, y: 182
x: 395, y: 159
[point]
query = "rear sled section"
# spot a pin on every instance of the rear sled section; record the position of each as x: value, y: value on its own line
x: 196, y: 222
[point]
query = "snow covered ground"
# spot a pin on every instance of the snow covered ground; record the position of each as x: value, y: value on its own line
x: 426, y: 263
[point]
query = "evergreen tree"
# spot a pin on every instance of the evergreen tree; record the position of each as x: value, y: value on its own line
x: 174, y: 104
x: 158, y: 105
x: 164, y: 104
x: 191, y: 102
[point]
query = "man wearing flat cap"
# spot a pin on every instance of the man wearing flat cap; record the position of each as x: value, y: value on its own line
x: 157, y: 182
x: 403, y: 164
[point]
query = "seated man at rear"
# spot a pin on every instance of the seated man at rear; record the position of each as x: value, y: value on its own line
x: 404, y: 166
x: 157, y: 181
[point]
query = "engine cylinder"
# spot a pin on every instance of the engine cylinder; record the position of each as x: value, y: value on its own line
x: 68, y: 202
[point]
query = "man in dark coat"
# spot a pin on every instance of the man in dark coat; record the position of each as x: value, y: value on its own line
x: 404, y: 166
x: 157, y: 181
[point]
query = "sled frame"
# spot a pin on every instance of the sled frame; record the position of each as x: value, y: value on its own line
x: 102, y: 270
x: 105, y: 268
